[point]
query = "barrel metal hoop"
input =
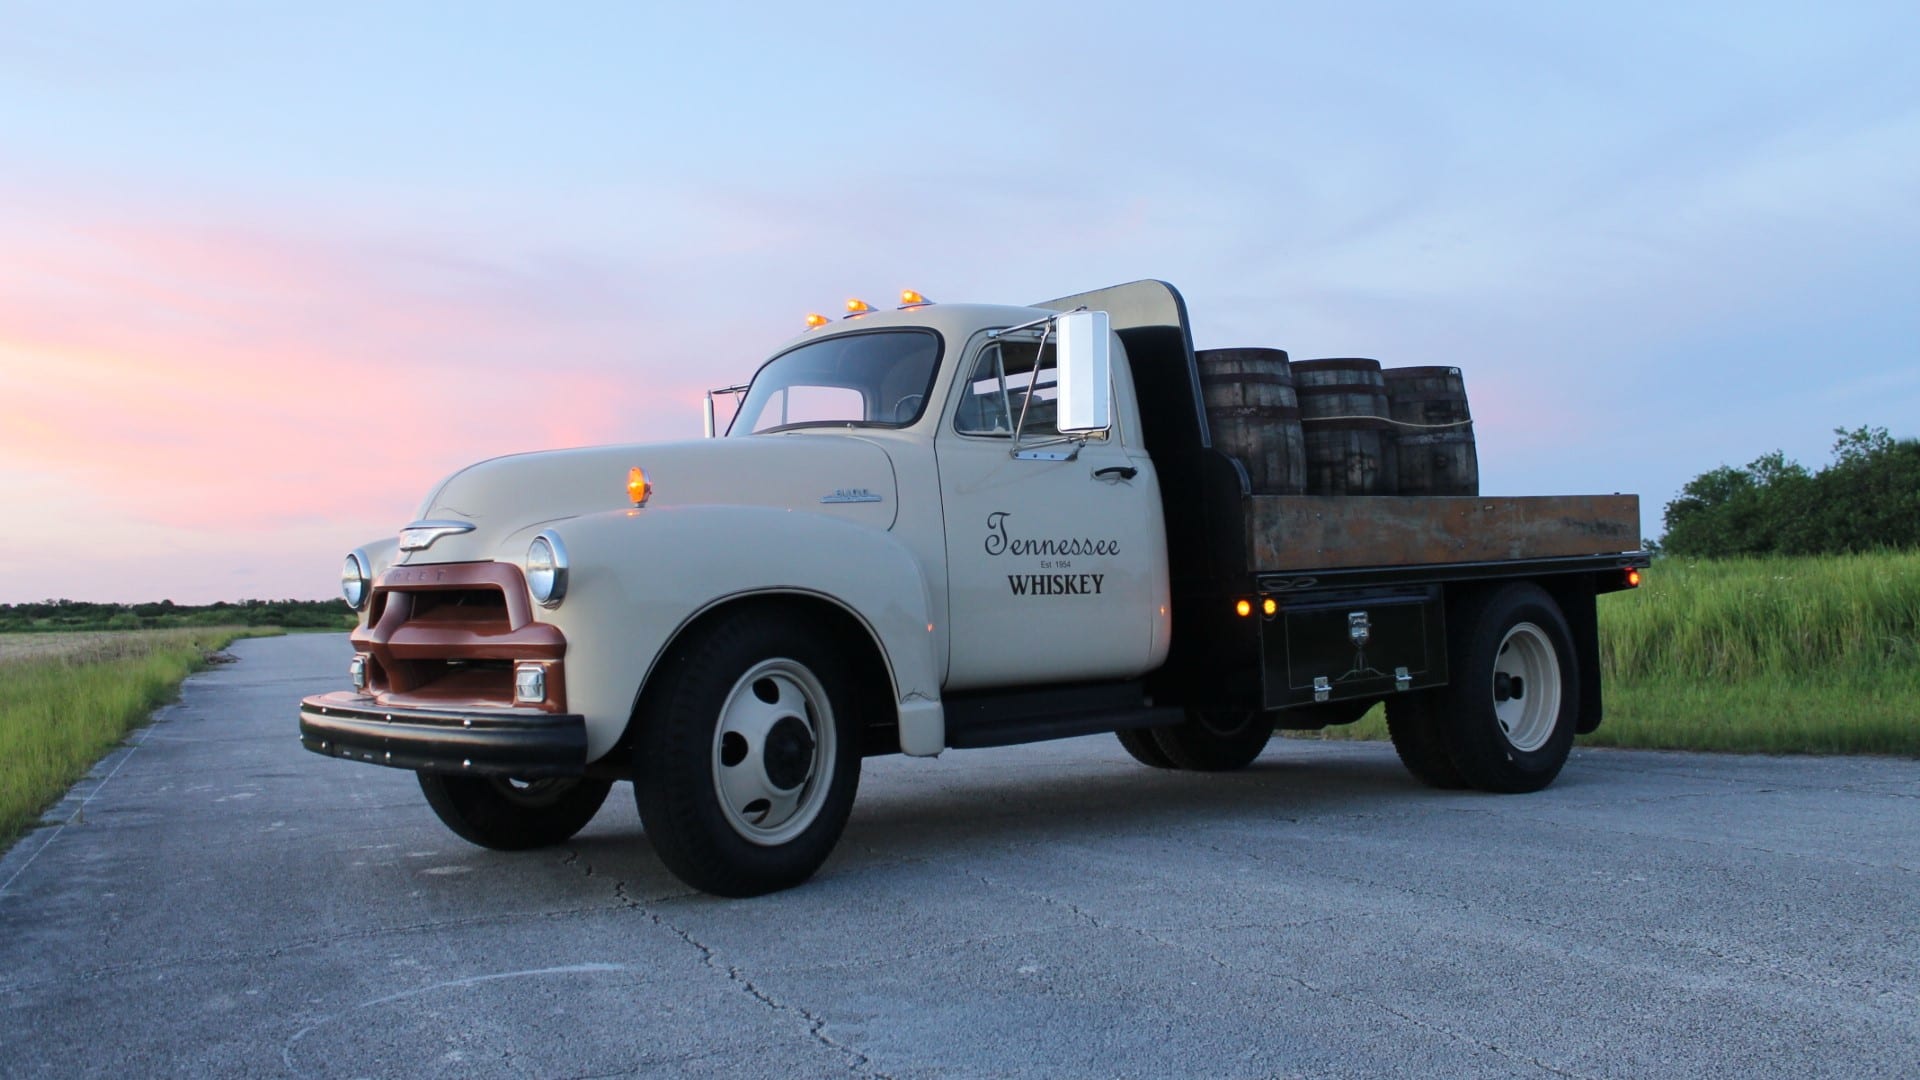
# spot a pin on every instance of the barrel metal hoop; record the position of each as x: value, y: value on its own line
x: 1253, y: 412
x: 1233, y: 378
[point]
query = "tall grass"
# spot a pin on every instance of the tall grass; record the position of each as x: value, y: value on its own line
x: 1817, y: 655
x: 1742, y: 618
x: 1774, y: 655
x: 66, y: 699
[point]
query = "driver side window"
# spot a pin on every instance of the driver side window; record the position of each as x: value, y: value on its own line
x: 997, y: 390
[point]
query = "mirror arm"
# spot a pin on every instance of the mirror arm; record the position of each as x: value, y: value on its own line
x: 1047, y: 319
x: 707, y: 411
x: 1032, y: 382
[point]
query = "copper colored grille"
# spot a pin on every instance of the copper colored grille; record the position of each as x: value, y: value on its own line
x: 451, y: 635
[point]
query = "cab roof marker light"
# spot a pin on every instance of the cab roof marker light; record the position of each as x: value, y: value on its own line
x: 639, y: 488
x: 815, y: 320
x: 857, y: 307
x: 910, y: 299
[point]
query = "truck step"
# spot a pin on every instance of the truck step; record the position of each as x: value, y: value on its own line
x: 1008, y: 718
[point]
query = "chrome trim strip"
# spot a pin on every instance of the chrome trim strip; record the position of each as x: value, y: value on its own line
x: 420, y: 535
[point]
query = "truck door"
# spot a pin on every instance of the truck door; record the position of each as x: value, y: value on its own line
x: 1056, y: 569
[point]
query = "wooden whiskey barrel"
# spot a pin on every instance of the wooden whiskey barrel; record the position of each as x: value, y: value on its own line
x: 1254, y: 416
x: 1434, y: 452
x: 1349, y: 430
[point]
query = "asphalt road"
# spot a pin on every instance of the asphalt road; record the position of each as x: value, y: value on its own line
x: 220, y: 901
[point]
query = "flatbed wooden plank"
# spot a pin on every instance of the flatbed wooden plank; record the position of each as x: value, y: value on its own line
x: 1311, y: 532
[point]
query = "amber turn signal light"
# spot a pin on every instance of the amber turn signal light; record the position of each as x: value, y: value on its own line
x: 1243, y: 608
x: 637, y: 486
x: 1633, y: 577
x: 1269, y: 607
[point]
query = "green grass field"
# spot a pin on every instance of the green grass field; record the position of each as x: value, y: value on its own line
x: 65, y: 699
x: 1777, y: 655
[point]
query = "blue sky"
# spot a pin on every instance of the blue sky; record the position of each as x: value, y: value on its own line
x: 1654, y: 239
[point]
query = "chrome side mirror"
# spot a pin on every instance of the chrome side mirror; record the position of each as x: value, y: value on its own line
x: 1086, y: 380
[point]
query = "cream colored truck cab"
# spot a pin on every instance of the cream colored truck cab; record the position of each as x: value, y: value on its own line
x: 902, y: 508
x: 941, y: 527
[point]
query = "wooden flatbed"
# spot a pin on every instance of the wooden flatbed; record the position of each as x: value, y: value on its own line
x: 1298, y: 533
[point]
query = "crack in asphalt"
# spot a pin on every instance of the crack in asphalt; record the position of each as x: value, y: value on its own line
x: 1461, y: 904
x: 858, y: 1063
x: 1207, y: 954
x: 287, y: 1048
x: 1735, y: 785
x: 109, y: 971
x: 1729, y: 845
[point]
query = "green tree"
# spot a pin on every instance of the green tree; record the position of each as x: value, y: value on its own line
x: 1867, y: 499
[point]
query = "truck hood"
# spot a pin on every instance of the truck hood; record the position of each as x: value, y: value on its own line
x: 838, y: 475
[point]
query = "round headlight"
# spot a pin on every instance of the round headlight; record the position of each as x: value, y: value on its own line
x: 356, y: 579
x: 547, y: 570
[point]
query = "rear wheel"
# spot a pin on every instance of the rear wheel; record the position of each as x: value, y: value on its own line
x: 748, y: 756
x: 1413, y: 722
x: 514, y: 815
x: 1507, y: 717
x: 1215, y: 740
x: 1145, y: 749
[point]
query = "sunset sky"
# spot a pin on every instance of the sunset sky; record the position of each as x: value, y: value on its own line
x: 268, y: 271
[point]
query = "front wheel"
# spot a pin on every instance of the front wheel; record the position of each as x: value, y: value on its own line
x: 748, y: 755
x: 1507, y: 719
x: 513, y: 815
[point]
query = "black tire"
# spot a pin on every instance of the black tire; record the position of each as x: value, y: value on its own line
x: 1413, y: 722
x: 1144, y: 747
x: 754, y: 709
x: 1502, y: 732
x: 1215, y: 740
x: 514, y: 815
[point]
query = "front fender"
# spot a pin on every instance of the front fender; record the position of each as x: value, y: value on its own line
x: 637, y: 577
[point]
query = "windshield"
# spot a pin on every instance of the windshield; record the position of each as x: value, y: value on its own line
x: 877, y: 379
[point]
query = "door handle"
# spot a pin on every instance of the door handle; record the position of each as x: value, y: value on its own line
x: 1124, y: 472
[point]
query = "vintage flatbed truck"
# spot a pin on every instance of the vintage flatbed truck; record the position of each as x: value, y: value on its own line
x: 939, y: 527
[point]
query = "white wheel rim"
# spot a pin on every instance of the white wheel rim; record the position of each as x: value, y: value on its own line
x: 773, y: 752
x: 1526, y: 687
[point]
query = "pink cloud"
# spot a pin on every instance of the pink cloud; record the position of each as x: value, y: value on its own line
x: 239, y: 383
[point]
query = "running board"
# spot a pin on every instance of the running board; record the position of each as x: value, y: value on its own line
x: 1008, y: 718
